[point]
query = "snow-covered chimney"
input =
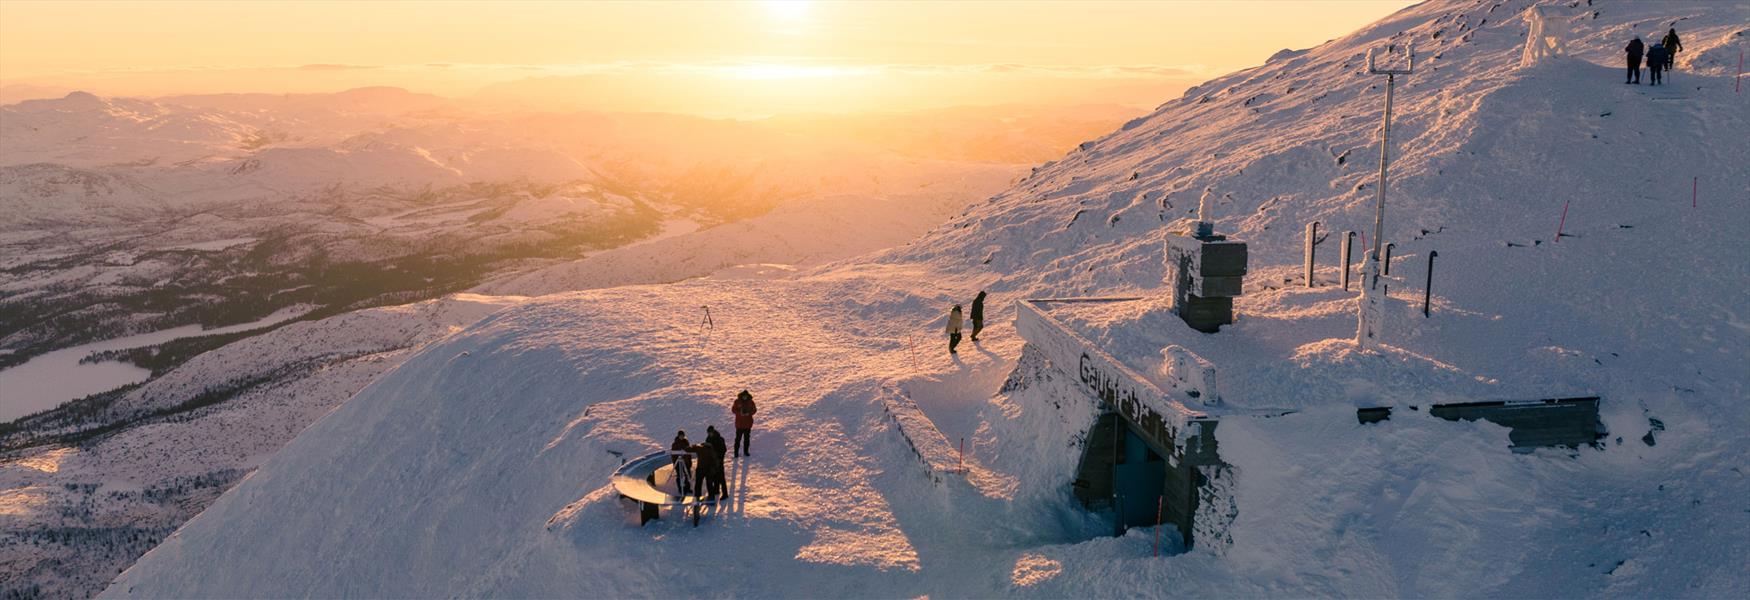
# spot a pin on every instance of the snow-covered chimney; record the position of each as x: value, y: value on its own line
x: 1206, y: 272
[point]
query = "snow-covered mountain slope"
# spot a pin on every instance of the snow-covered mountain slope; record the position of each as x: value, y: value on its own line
x: 795, y: 236
x: 479, y: 467
x: 1638, y: 298
x: 82, y: 512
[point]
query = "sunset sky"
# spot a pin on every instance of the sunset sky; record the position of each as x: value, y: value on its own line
x: 716, y: 58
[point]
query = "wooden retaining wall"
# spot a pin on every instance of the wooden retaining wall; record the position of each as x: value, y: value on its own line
x: 1565, y: 422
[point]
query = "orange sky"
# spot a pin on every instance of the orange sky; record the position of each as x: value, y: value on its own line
x: 702, y: 57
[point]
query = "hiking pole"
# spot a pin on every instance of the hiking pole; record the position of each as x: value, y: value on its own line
x: 1559, y: 224
x: 706, y: 326
x: 912, y: 344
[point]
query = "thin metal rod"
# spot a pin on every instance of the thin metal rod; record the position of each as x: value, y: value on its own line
x: 1384, y: 159
x: 1348, y: 243
x: 1428, y: 288
x: 1387, y: 263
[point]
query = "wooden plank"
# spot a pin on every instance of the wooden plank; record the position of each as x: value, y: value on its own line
x: 1212, y: 287
x: 1223, y: 259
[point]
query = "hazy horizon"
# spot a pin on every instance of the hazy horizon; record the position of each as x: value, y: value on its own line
x: 728, y: 59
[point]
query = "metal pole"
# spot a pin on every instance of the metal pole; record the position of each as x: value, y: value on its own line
x: 1348, y: 242
x: 1564, y: 220
x: 1428, y: 288
x: 1384, y: 153
x: 1312, y: 235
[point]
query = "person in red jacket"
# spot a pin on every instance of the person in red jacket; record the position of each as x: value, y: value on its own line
x: 743, y: 409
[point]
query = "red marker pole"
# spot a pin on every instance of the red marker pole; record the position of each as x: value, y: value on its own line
x: 963, y: 454
x: 1563, y: 222
x: 1738, y: 80
x: 1159, y: 502
x: 1694, y: 187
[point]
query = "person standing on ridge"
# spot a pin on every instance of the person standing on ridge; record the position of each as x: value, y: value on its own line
x: 1655, y: 63
x: 743, y: 409
x: 977, y: 315
x: 954, y: 325
x: 721, y: 448
x: 683, y: 463
x: 1672, y: 45
x: 1634, y: 50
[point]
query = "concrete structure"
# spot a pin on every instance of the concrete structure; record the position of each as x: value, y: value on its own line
x: 1208, y: 272
x: 1150, y: 456
x: 1153, y: 447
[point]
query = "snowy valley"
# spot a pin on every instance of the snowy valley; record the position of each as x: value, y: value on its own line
x: 190, y: 281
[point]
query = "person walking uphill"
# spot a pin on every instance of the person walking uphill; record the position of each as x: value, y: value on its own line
x: 954, y: 325
x: 1634, y: 50
x: 743, y: 409
x: 977, y: 315
x: 1656, y: 64
x: 1672, y: 45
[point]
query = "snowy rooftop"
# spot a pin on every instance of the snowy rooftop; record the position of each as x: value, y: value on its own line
x: 1288, y: 349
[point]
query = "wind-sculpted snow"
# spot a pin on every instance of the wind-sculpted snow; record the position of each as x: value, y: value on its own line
x: 479, y: 467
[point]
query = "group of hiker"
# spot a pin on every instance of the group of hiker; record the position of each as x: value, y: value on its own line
x: 708, y: 480
x: 956, y: 322
x: 1661, y: 57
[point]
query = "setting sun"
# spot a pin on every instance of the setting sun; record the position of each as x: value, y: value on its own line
x: 786, y: 10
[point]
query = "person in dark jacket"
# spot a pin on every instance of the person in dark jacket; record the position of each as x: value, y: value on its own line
x: 710, y: 472
x: 977, y: 315
x: 1655, y: 63
x: 1634, y: 50
x: 715, y: 441
x: 743, y: 409
x: 681, y: 445
x: 1672, y: 45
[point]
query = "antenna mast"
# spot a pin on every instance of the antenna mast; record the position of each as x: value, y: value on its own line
x: 1385, y: 135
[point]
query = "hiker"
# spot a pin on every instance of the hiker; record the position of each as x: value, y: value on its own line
x: 1655, y: 63
x: 681, y: 445
x: 954, y: 323
x: 1672, y: 45
x: 715, y: 441
x: 709, y: 473
x: 743, y: 409
x: 977, y: 315
x: 1634, y: 50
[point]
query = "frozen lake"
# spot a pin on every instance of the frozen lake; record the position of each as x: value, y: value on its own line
x: 49, y: 380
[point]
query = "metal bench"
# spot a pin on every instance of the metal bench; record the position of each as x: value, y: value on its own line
x: 636, y: 480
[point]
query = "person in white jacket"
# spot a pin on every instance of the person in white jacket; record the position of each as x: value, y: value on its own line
x: 954, y: 325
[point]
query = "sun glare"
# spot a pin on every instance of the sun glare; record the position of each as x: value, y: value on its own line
x: 767, y: 71
x: 786, y: 10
